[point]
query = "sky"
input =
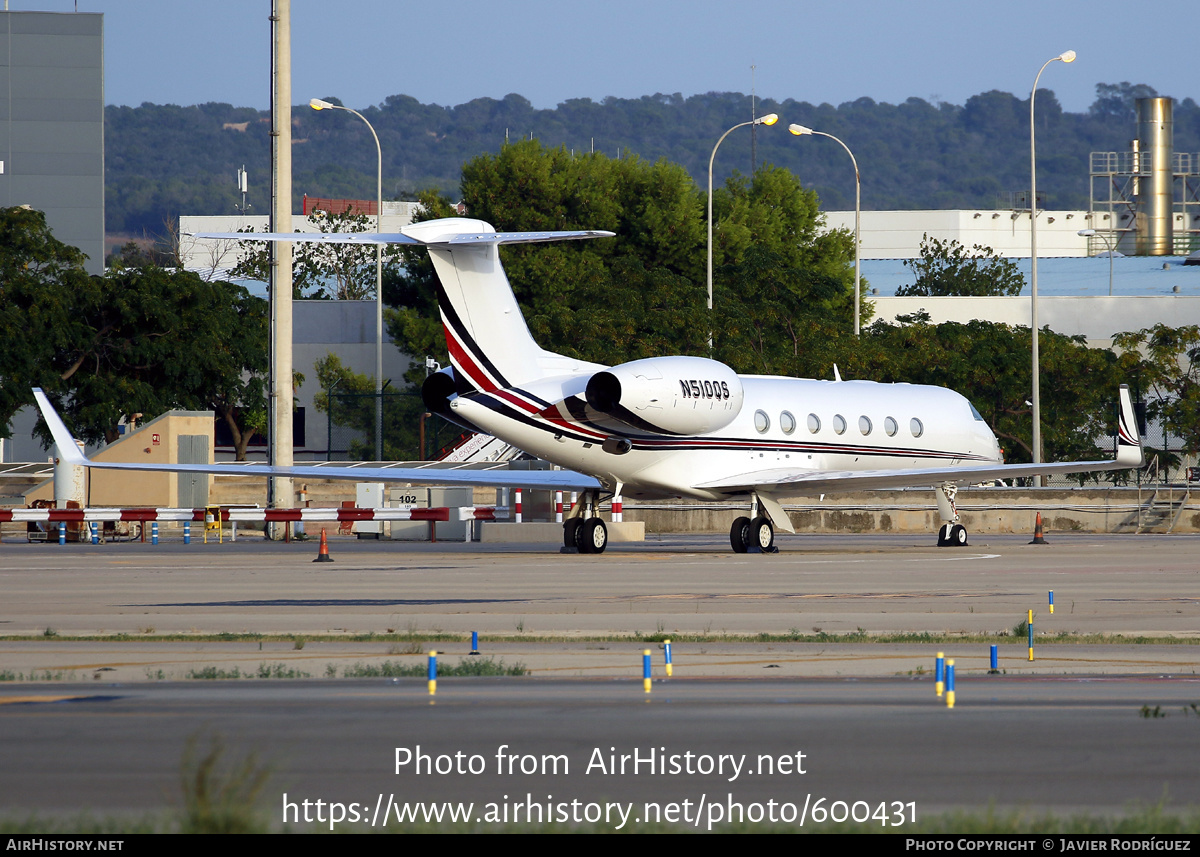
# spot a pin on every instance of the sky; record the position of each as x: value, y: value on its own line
x: 361, y: 51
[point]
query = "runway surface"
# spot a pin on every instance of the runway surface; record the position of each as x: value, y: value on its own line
x: 1064, y: 734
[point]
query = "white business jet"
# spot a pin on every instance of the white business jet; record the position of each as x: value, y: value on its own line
x: 664, y: 427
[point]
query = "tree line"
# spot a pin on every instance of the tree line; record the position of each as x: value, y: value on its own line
x: 166, y: 160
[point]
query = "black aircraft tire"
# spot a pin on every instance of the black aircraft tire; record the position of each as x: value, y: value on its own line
x: 958, y: 536
x: 739, y: 535
x: 593, y: 536
x: 762, y: 534
x: 570, y: 527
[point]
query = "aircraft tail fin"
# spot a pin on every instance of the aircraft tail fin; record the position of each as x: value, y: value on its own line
x: 67, y: 449
x: 489, y: 342
x: 1129, y: 441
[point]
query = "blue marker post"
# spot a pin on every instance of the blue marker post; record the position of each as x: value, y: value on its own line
x: 1051, y: 602
x: 995, y: 667
x: 95, y: 533
x: 474, y: 642
x: 667, y: 655
x: 62, y: 532
x: 950, y: 683
x: 432, y: 672
x: 187, y: 532
x: 1029, y: 623
x: 154, y: 532
x: 646, y: 669
x: 939, y: 674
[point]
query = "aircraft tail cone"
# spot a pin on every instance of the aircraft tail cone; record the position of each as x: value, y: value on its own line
x: 1038, y: 538
x: 323, y: 551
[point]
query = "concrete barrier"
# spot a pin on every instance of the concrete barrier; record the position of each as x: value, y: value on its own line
x: 983, y: 511
x: 551, y: 533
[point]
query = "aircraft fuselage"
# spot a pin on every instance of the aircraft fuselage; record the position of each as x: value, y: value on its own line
x: 782, y: 423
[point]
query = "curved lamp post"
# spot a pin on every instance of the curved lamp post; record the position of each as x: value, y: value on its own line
x: 769, y: 119
x: 318, y: 104
x: 1068, y: 56
x: 800, y: 131
x: 1090, y: 233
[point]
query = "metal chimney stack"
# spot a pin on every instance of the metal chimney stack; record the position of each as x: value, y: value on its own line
x: 1154, y: 188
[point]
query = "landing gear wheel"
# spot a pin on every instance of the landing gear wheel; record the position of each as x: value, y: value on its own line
x: 762, y: 534
x: 739, y: 535
x: 591, y: 536
x: 570, y: 527
x: 952, y: 536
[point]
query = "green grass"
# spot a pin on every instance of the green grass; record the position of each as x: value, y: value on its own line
x: 466, y: 667
x: 264, y: 671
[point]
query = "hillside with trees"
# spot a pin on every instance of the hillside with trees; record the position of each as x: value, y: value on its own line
x: 163, y: 160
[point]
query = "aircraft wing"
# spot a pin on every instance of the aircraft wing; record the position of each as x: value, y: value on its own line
x: 776, y: 480
x: 824, y: 481
x: 550, y: 480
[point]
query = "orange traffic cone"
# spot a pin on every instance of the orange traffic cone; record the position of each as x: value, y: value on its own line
x: 323, y: 551
x: 1038, y: 539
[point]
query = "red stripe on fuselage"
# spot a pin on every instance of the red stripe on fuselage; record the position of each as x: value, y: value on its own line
x: 466, y: 363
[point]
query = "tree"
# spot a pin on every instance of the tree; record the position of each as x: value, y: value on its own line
x: 41, y: 280
x: 139, y: 340
x: 641, y: 292
x: 1163, y: 365
x: 948, y: 268
x: 349, y: 398
x: 989, y: 364
x: 155, y: 339
x: 323, y: 271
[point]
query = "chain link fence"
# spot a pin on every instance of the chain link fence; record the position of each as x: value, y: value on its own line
x: 409, y: 432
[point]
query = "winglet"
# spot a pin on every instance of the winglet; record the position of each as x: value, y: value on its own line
x: 1129, y: 442
x: 67, y: 449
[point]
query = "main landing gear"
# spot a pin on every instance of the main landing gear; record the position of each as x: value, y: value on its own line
x: 755, y: 534
x: 752, y: 535
x: 586, y: 533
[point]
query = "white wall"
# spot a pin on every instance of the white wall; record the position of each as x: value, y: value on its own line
x: 897, y: 234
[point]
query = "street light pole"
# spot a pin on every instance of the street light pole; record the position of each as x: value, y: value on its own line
x: 318, y: 104
x: 1068, y: 56
x: 800, y: 131
x: 769, y: 119
x: 1089, y: 233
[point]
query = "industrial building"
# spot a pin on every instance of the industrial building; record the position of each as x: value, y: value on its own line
x: 52, y: 123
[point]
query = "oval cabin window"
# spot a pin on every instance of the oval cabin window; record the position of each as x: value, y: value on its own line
x: 839, y: 424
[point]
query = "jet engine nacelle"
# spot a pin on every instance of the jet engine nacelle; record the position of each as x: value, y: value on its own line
x: 668, y: 395
x: 437, y: 391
